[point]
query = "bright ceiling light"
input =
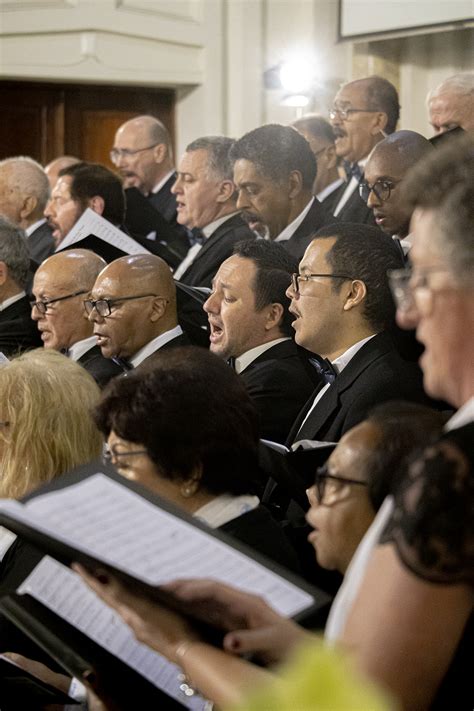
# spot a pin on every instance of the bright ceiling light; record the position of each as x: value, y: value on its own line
x: 297, y: 75
x: 297, y: 101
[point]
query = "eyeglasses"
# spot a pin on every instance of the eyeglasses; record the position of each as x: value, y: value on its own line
x: 42, y: 306
x: 117, y: 153
x: 345, y: 113
x: 382, y: 189
x: 297, y: 278
x: 111, y: 455
x: 104, y: 306
x: 322, y: 476
x: 404, y: 282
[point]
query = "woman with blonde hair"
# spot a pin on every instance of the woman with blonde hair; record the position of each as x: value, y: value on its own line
x: 45, y: 422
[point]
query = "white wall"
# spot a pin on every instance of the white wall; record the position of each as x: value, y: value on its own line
x: 214, y: 52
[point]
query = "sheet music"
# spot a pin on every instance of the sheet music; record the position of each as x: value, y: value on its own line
x: 104, y: 519
x: 90, y: 223
x: 63, y: 592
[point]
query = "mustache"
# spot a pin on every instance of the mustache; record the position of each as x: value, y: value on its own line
x: 250, y: 217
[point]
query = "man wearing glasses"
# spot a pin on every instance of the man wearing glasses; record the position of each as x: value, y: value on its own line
x: 343, y: 312
x: 61, y: 284
x: 133, y: 310
x: 364, y: 112
x: 381, y: 188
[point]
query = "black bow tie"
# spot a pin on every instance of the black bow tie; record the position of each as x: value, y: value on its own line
x: 325, y: 368
x: 231, y: 362
x: 195, y: 236
x: 122, y: 363
x: 353, y: 170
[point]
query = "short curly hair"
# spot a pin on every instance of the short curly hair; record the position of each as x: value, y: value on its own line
x: 188, y: 409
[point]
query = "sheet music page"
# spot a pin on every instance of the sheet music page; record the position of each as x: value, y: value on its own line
x: 62, y: 591
x: 104, y: 519
x: 90, y: 223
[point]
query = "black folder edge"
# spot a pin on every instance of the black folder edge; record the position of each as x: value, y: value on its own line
x: 68, y: 554
x: 81, y: 655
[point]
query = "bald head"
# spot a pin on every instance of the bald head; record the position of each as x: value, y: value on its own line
x: 388, y: 164
x: 70, y: 274
x: 52, y: 169
x: 134, y: 322
x: 451, y: 103
x: 142, y: 152
x: 24, y: 190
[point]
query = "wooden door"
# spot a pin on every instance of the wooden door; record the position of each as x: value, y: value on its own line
x: 47, y: 120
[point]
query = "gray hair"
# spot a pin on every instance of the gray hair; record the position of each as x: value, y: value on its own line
x: 14, y: 252
x: 27, y: 177
x: 218, y: 161
x: 460, y: 84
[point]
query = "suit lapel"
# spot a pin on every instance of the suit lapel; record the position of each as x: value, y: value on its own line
x: 221, y: 230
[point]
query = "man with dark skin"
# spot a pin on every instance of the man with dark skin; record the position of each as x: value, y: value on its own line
x: 388, y: 164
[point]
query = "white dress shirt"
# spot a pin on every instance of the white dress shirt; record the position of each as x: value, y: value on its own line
x: 290, y: 229
x: 12, y: 300
x: 164, y: 180
x: 329, y: 189
x: 351, y: 187
x: 155, y: 345
x: 248, y: 357
x: 207, y: 231
x: 78, y: 349
x: 29, y: 230
x: 225, y: 508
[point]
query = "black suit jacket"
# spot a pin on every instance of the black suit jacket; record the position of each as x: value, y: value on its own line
x: 41, y: 243
x: 317, y: 217
x: 164, y: 201
x: 355, y: 209
x: 216, y: 250
x: 279, y: 381
x: 376, y: 374
x: 181, y: 340
x: 102, y: 369
x: 17, y: 329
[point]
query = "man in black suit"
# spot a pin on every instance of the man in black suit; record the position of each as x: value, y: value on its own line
x: 17, y: 330
x: 320, y: 136
x: 388, y: 164
x: 133, y: 310
x: 251, y: 325
x: 343, y: 310
x: 24, y: 193
x: 206, y: 198
x: 274, y: 171
x: 364, y: 112
x: 60, y: 286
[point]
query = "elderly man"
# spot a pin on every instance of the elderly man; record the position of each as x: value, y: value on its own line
x: 24, y: 192
x: 343, y: 310
x: 206, y: 199
x: 364, y: 112
x: 250, y: 324
x: 60, y: 286
x: 80, y: 186
x: 133, y: 309
x: 389, y: 163
x: 17, y: 330
x: 274, y: 171
x: 451, y: 104
x: 320, y: 136
x: 53, y: 168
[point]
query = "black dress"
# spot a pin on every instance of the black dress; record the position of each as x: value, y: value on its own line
x: 432, y: 529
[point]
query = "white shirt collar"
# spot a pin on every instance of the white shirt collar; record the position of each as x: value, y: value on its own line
x: 293, y: 226
x: 341, y: 361
x: 12, y: 300
x: 329, y: 189
x: 29, y: 230
x: 209, y: 229
x: 248, y: 357
x: 462, y: 417
x: 78, y: 349
x: 155, y: 345
x: 164, y: 180
x: 225, y: 508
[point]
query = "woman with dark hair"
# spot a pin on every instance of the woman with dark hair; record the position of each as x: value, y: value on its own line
x: 186, y: 429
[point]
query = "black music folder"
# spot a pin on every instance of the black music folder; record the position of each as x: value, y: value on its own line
x: 88, y: 516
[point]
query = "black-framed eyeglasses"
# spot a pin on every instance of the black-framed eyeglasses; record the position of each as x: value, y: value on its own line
x: 382, y: 189
x: 345, y: 113
x: 104, y: 306
x: 296, y: 279
x: 117, y: 153
x: 109, y: 456
x: 322, y: 476
x: 42, y: 306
